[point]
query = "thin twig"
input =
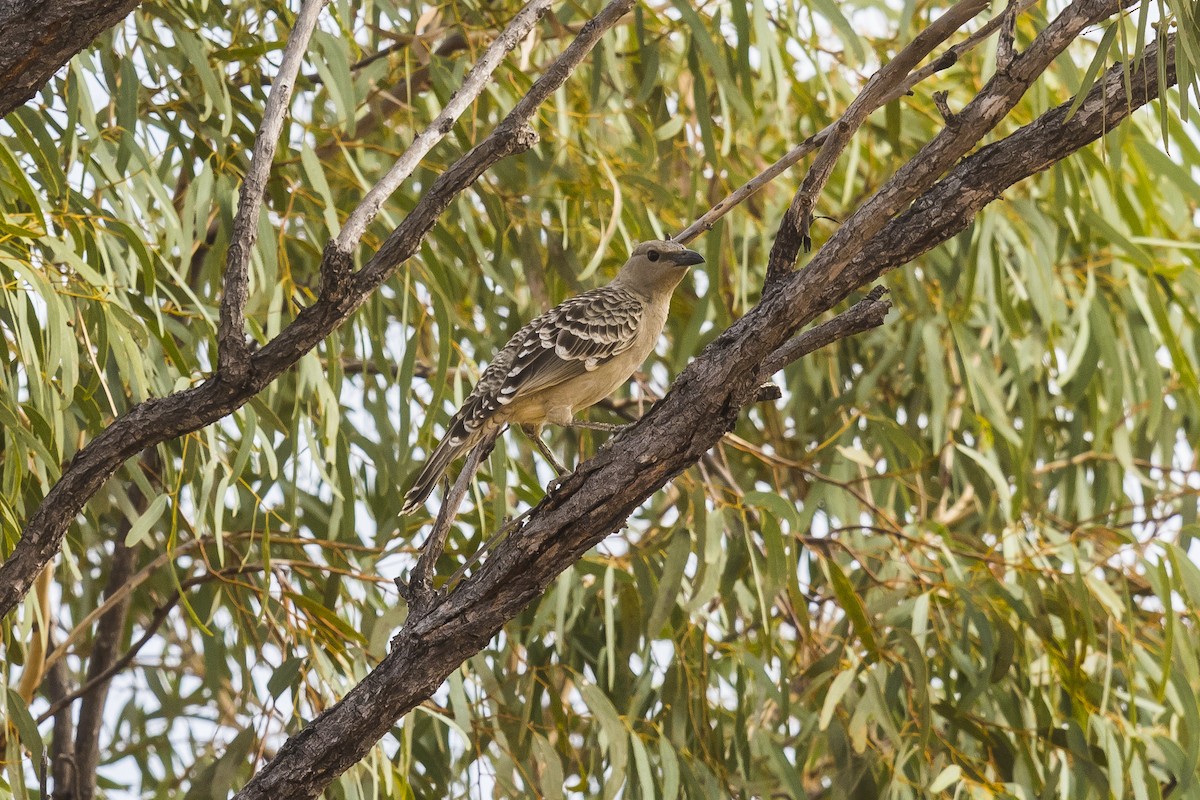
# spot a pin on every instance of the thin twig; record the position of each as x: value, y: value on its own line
x: 418, y: 593
x: 942, y: 104
x: 384, y: 101
x: 160, y: 616
x: 233, y: 354
x: 512, y: 135
x: 396, y: 46
x: 492, y: 541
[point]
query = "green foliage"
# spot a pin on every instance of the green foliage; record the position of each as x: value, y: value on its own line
x: 955, y: 559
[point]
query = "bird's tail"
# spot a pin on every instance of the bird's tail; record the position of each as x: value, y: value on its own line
x: 447, y: 450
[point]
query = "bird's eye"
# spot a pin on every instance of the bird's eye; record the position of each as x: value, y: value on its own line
x: 652, y: 255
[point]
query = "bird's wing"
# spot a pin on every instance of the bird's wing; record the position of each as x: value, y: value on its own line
x: 569, y: 340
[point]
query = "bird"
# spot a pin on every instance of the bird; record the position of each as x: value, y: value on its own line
x: 565, y: 360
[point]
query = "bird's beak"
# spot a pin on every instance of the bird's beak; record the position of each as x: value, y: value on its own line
x: 686, y: 258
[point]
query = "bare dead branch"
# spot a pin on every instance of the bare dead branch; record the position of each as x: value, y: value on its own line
x: 494, y: 540
x: 419, y: 592
x: 232, y: 351
x: 473, y: 85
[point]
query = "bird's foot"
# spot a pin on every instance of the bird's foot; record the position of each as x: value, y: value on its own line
x: 544, y: 449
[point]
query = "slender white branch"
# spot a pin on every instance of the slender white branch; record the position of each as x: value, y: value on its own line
x: 473, y: 85
x: 232, y: 359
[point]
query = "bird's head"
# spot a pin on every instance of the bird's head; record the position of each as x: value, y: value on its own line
x: 657, y: 266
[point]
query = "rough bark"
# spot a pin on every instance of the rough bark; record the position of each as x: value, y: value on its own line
x: 39, y: 36
x: 105, y: 647
x: 62, y: 736
x: 701, y: 407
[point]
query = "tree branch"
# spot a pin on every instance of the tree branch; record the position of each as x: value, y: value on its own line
x: 419, y: 592
x: 384, y: 102
x: 942, y: 62
x: 38, y: 36
x: 1001, y: 93
x: 63, y: 699
x: 109, y: 631
x: 232, y: 351
x: 889, y: 78
x: 864, y: 315
x: 703, y: 404
x: 62, y: 737
x: 472, y: 86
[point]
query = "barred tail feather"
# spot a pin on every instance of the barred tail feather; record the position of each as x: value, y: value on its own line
x: 447, y: 450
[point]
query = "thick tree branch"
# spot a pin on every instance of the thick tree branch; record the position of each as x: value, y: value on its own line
x: 980, y: 116
x: 988, y: 108
x: 701, y: 407
x: 952, y: 204
x: 232, y: 352
x: 39, y: 36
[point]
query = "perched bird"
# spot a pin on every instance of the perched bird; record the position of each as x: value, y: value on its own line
x: 569, y: 358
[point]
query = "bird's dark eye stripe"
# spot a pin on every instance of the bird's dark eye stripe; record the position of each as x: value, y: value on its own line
x: 652, y: 255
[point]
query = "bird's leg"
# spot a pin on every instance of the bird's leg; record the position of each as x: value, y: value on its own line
x: 544, y: 449
x: 594, y: 426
